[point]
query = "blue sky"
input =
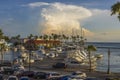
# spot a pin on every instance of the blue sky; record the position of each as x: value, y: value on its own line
x: 26, y: 17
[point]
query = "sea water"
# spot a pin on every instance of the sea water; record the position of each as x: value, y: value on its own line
x: 102, y: 48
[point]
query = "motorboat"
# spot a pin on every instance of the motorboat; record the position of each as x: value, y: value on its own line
x: 98, y: 56
x: 30, y: 61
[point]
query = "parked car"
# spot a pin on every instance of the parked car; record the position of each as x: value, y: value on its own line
x: 51, y: 55
x: 1, y: 77
x: 7, y: 70
x: 66, y: 77
x: 40, y: 75
x: 26, y: 73
x: 74, y: 63
x: 24, y: 78
x: 6, y: 63
x: 75, y: 78
x: 59, y: 65
x: 79, y: 74
x: 53, y: 75
x: 91, y: 78
x: 18, y: 67
x: 12, y: 78
x: 18, y: 72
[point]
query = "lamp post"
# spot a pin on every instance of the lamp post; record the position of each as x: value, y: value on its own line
x: 30, y: 47
x: 29, y: 60
x: 108, y: 71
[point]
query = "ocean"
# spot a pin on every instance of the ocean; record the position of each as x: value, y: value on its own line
x: 102, y: 48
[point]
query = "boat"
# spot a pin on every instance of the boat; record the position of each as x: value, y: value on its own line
x: 30, y: 61
x: 98, y: 56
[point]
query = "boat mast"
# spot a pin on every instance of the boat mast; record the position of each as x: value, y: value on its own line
x: 82, y: 38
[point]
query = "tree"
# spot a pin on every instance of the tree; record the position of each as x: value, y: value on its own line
x: 1, y: 34
x: 90, y: 48
x: 2, y: 48
x: 6, y: 38
x: 54, y: 36
x: 115, y: 9
x: 45, y: 37
x: 41, y: 37
x: 30, y: 36
x: 36, y: 37
x: 18, y: 36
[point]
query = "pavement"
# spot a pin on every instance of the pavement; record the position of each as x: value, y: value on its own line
x: 46, y: 65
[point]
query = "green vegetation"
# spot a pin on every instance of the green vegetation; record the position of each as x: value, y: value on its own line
x: 2, y: 36
x: 90, y: 48
x: 115, y: 9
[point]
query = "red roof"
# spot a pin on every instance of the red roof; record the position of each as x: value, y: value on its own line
x: 43, y: 41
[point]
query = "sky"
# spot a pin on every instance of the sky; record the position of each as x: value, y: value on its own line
x: 39, y: 17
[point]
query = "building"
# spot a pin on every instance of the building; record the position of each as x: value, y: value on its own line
x: 39, y: 42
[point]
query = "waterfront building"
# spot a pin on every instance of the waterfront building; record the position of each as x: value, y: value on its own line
x: 40, y: 42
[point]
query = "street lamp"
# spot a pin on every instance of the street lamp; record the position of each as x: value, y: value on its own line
x: 30, y: 47
x: 108, y: 71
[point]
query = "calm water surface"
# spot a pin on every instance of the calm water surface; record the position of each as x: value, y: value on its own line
x: 114, y: 56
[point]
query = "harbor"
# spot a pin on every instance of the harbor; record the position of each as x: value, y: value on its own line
x: 59, y: 40
x: 46, y: 62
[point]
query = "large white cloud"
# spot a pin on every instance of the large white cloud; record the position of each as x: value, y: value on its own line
x: 62, y: 18
x: 67, y: 19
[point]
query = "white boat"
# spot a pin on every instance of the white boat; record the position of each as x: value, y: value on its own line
x: 98, y: 56
x: 30, y: 61
x: 41, y: 51
x: 51, y: 55
x: 59, y: 49
x: 93, y: 59
x: 78, y: 55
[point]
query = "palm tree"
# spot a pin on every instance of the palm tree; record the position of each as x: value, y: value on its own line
x: 36, y: 37
x: 54, y: 36
x: 115, y: 9
x: 90, y: 48
x: 18, y: 36
x: 2, y: 47
x: 73, y: 38
x: 41, y: 37
x: 6, y: 38
x: 45, y: 38
x: 30, y: 36
x: 1, y: 34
